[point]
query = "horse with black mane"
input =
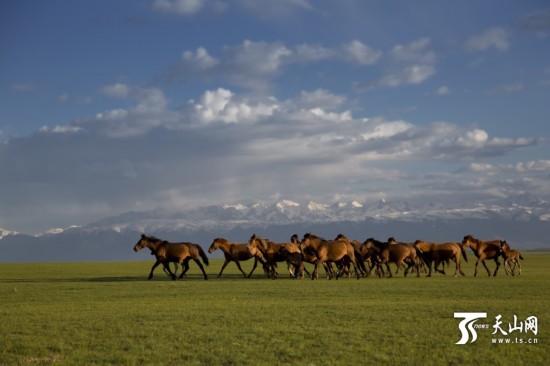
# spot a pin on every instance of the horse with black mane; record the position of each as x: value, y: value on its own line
x: 237, y: 252
x: 166, y: 252
x: 484, y: 250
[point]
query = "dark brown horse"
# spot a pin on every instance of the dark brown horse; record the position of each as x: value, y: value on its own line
x: 236, y: 252
x: 329, y: 251
x: 439, y: 253
x: 510, y: 256
x: 484, y: 250
x: 391, y: 252
x: 166, y: 252
x: 272, y: 252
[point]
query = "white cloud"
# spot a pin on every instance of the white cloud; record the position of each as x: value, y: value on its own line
x: 312, y: 53
x: 241, y: 146
x: 415, y: 74
x: 359, y: 52
x: 496, y: 37
x: 148, y: 113
x: 416, y: 51
x: 23, y: 87
x: 320, y: 97
x: 200, y: 57
x: 443, y: 90
x: 118, y: 90
x: 179, y: 7
x: 386, y: 130
x: 221, y: 106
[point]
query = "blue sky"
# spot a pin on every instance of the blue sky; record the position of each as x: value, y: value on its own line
x: 108, y: 107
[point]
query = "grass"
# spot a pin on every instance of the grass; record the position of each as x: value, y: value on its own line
x: 108, y: 313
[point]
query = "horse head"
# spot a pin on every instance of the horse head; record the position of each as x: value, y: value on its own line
x: 468, y: 241
x: 504, y: 246
x: 146, y: 242
x: 216, y: 244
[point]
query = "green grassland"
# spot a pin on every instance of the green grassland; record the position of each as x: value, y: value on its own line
x: 108, y: 313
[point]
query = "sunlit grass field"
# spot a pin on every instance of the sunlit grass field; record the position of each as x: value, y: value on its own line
x: 108, y: 313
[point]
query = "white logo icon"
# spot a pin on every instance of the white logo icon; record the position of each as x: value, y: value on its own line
x: 466, y: 326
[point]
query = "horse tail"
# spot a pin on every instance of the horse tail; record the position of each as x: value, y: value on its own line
x: 463, y: 253
x: 521, y: 257
x: 203, y: 255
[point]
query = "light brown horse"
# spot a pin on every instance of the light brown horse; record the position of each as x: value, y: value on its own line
x: 483, y: 250
x: 329, y: 251
x: 272, y: 252
x: 236, y: 252
x: 437, y: 253
x: 359, y: 251
x: 510, y: 256
x: 166, y: 252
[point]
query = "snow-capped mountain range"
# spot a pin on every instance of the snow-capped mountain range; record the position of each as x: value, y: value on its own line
x: 524, y: 220
x: 284, y: 212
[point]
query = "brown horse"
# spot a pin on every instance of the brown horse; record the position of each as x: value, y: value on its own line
x: 236, y: 252
x: 272, y: 252
x: 359, y: 251
x: 440, y: 253
x: 329, y: 251
x: 391, y: 252
x: 166, y: 252
x: 483, y: 250
x: 510, y: 256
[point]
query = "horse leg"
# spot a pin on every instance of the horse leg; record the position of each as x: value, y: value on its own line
x: 153, y: 268
x: 459, y: 265
x: 429, y: 264
x: 185, y: 268
x: 223, y: 267
x: 409, y: 265
x: 241, y: 268
x: 256, y: 260
x: 201, y: 267
x: 315, y: 269
x: 498, y: 265
x: 519, y: 267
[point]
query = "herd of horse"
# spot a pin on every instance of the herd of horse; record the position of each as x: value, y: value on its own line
x: 339, y: 257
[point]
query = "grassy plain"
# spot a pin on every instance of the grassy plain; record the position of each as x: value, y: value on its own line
x: 108, y: 313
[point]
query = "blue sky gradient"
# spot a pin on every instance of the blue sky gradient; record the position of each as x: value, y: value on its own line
x: 108, y: 107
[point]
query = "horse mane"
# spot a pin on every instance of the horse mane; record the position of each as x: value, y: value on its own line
x: 151, y: 238
x: 312, y: 236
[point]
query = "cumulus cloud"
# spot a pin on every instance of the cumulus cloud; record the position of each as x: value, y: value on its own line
x: 359, y: 52
x: 496, y: 37
x: 200, y: 58
x: 255, y: 64
x: 233, y: 146
x: 221, y: 106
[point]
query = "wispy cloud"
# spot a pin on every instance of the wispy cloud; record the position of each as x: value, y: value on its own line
x: 496, y: 37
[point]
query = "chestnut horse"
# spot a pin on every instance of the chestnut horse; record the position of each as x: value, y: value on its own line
x: 329, y: 251
x: 484, y: 250
x: 510, y: 255
x: 272, y: 252
x: 236, y: 252
x: 440, y: 253
x: 166, y: 252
